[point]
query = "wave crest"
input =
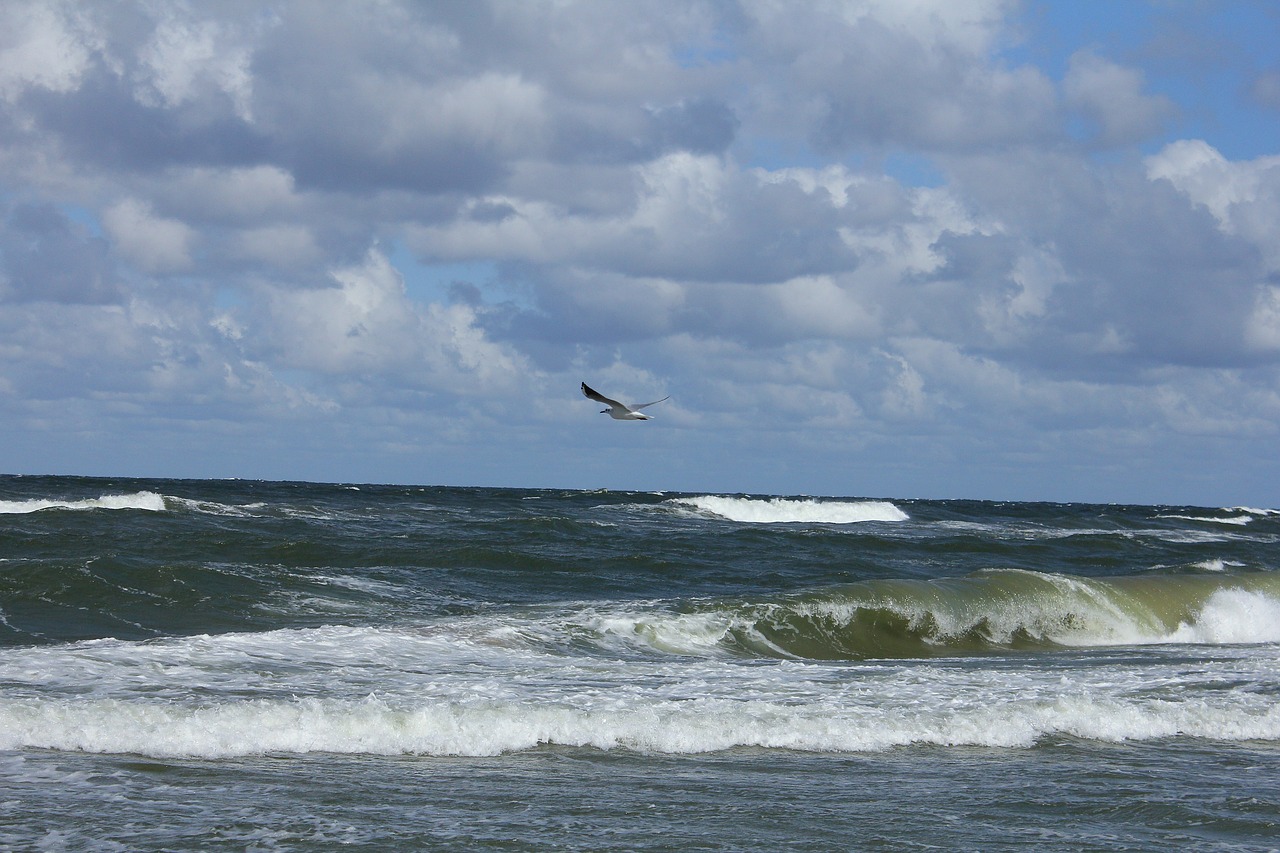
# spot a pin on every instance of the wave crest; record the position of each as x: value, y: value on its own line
x: 376, y: 727
x: 149, y: 501
x: 983, y: 613
x: 791, y: 510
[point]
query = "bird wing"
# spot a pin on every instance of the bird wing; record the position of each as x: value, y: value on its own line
x: 593, y: 394
x: 647, y: 405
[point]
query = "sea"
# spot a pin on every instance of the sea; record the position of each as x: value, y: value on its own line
x: 240, y: 665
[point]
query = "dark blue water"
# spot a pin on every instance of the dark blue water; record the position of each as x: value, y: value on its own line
x: 193, y: 665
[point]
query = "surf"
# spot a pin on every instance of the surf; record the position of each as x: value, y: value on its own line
x: 374, y: 726
x: 467, y: 688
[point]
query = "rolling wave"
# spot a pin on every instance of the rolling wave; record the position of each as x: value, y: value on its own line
x: 480, y: 687
x: 376, y: 726
x: 994, y: 611
x: 151, y: 502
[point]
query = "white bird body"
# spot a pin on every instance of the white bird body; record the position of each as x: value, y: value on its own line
x: 617, y: 410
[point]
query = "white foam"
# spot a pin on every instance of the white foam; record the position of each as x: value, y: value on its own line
x: 1034, y: 532
x: 1233, y: 616
x: 1238, y: 520
x: 1217, y: 564
x: 1185, y: 537
x: 138, y: 500
x: 672, y: 633
x: 478, y: 686
x: 788, y: 510
x: 360, y: 584
x: 1010, y: 712
x: 215, y: 508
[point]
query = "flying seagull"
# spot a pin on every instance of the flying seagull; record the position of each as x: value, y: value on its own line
x: 616, y: 410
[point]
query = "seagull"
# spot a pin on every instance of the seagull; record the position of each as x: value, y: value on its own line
x: 616, y: 410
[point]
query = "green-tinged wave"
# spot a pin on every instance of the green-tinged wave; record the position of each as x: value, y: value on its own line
x: 985, y: 612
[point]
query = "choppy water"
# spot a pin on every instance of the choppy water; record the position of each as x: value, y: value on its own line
x: 246, y: 665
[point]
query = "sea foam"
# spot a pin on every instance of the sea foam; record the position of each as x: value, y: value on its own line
x: 488, y: 685
x: 1233, y: 616
x: 138, y: 500
x: 1237, y: 520
x: 793, y: 510
x: 943, y: 712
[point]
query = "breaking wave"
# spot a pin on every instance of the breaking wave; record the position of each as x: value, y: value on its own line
x: 142, y: 500
x: 706, y: 678
x: 149, y: 501
x: 792, y: 510
x: 376, y: 726
x: 1003, y: 610
x: 1237, y: 520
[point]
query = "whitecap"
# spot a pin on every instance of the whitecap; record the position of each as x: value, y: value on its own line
x: 789, y: 510
x: 215, y: 508
x: 149, y: 501
x: 1239, y: 520
x: 1233, y: 616
x: 1255, y: 510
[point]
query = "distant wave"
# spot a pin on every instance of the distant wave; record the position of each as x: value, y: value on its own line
x: 1217, y: 564
x: 149, y: 501
x: 789, y: 510
x: 138, y: 500
x: 1239, y: 520
x: 215, y: 508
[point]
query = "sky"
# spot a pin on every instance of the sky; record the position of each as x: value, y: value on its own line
x: 887, y: 248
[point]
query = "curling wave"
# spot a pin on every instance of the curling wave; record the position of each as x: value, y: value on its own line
x: 986, y: 612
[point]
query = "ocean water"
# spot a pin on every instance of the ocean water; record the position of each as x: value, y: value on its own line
x: 204, y: 665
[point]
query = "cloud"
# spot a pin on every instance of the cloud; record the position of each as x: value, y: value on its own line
x: 362, y: 324
x: 44, y: 256
x: 42, y: 46
x: 183, y: 58
x: 1262, y: 330
x: 915, y: 75
x: 102, y: 123
x: 1244, y: 196
x: 696, y: 216
x: 156, y: 244
x: 859, y: 225
x: 1110, y: 99
x: 284, y: 246
x: 248, y: 195
x: 1146, y: 276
